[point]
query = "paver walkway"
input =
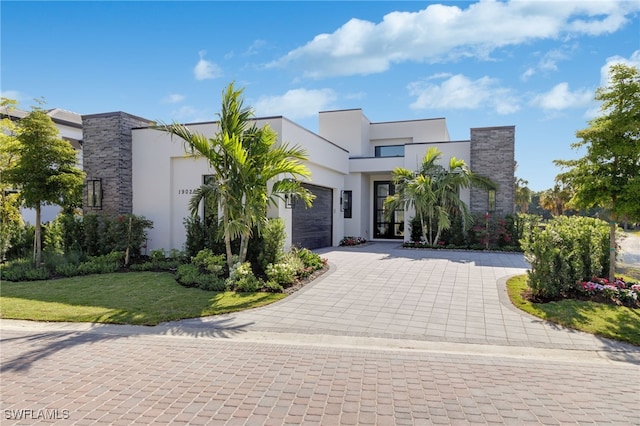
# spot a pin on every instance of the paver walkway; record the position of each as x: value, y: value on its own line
x: 389, y: 336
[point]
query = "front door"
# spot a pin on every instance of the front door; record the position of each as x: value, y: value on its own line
x: 382, y: 228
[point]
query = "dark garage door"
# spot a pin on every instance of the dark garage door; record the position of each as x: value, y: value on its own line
x: 312, y: 228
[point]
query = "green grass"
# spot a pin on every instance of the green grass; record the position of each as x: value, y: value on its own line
x: 614, y: 322
x: 141, y: 298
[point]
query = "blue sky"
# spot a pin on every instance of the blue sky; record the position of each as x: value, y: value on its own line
x: 532, y: 64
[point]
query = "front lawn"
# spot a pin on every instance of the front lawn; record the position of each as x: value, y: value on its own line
x: 602, y: 319
x: 141, y: 298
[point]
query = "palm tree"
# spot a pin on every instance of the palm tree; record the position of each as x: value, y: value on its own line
x: 433, y: 192
x: 251, y: 171
x: 522, y: 195
x: 555, y: 199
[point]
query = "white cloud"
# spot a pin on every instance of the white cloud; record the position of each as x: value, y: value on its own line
x: 547, y: 63
x: 441, y: 33
x: 296, y: 103
x: 527, y: 74
x: 173, y: 98
x: 255, y: 47
x: 560, y: 97
x: 460, y: 92
x: 206, y: 70
x: 633, y: 60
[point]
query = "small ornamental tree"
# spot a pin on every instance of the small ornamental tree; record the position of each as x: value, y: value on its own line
x: 45, y: 169
x: 608, y: 176
x: 10, y: 217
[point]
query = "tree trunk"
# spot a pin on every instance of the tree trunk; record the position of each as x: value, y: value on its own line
x: 37, y: 239
x: 244, y: 244
x: 227, y: 245
x: 424, y: 233
x: 612, y: 251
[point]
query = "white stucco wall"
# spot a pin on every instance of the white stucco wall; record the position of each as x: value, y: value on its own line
x: 164, y: 178
x: 429, y: 130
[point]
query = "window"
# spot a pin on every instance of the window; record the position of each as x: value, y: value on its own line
x: 390, y: 151
x: 492, y: 200
x: 347, y: 198
x: 382, y: 227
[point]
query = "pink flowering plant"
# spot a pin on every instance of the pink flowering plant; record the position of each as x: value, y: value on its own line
x: 352, y: 241
x: 617, y: 291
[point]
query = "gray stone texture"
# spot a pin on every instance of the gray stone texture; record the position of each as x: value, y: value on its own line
x: 493, y: 156
x: 107, y: 155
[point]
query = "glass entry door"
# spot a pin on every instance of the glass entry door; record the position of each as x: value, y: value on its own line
x: 383, y: 228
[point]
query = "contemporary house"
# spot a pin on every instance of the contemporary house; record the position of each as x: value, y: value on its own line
x: 132, y: 167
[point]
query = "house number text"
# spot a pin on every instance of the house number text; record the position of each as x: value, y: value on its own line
x: 186, y: 191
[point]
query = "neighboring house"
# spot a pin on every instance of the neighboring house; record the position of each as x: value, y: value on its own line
x: 69, y: 125
x: 132, y: 167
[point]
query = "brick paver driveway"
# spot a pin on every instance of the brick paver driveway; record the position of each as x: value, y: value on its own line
x: 389, y: 336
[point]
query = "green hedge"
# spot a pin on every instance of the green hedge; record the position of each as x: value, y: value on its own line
x: 566, y: 250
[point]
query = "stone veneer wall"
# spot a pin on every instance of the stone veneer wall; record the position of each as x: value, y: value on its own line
x: 493, y: 156
x: 107, y: 155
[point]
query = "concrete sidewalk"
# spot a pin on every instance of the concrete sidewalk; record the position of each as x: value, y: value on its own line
x: 388, y: 336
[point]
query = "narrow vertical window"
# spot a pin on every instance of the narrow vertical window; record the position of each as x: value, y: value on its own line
x: 347, y: 197
x: 492, y: 200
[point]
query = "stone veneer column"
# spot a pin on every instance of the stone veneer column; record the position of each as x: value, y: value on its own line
x: 107, y: 156
x: 493, y: 156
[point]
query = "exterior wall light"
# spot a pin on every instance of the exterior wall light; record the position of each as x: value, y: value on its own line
x: 94, y: 193
x: 289, y: 201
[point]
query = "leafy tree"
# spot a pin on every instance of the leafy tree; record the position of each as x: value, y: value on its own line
x: 522, y: 195
x: 45, y: 169
x: 608, y: 175
x: 251, y: 171
x: 10, y: 217
x: 433, y: 192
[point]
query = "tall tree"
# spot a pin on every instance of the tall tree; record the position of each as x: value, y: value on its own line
x: 555, y: 199
x: 44, y: 171
x: 10, y: 217
x: 251, y: 170
x: 433, y: 192
x: 522, y: 195
x: 608, y: 175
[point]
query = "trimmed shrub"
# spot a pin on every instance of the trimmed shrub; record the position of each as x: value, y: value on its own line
x: 188, y: 275
x: 23, y: 270
x: 211, y: 282
x: 210, y: 262
x: 67, y: 269
x: 310, y: 259
x: 567, y: 250
x: 273, y: 237
x: 283, y: 273
x: 242, y: 279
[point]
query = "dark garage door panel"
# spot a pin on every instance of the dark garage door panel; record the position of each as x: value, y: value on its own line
x: 312, y: 228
